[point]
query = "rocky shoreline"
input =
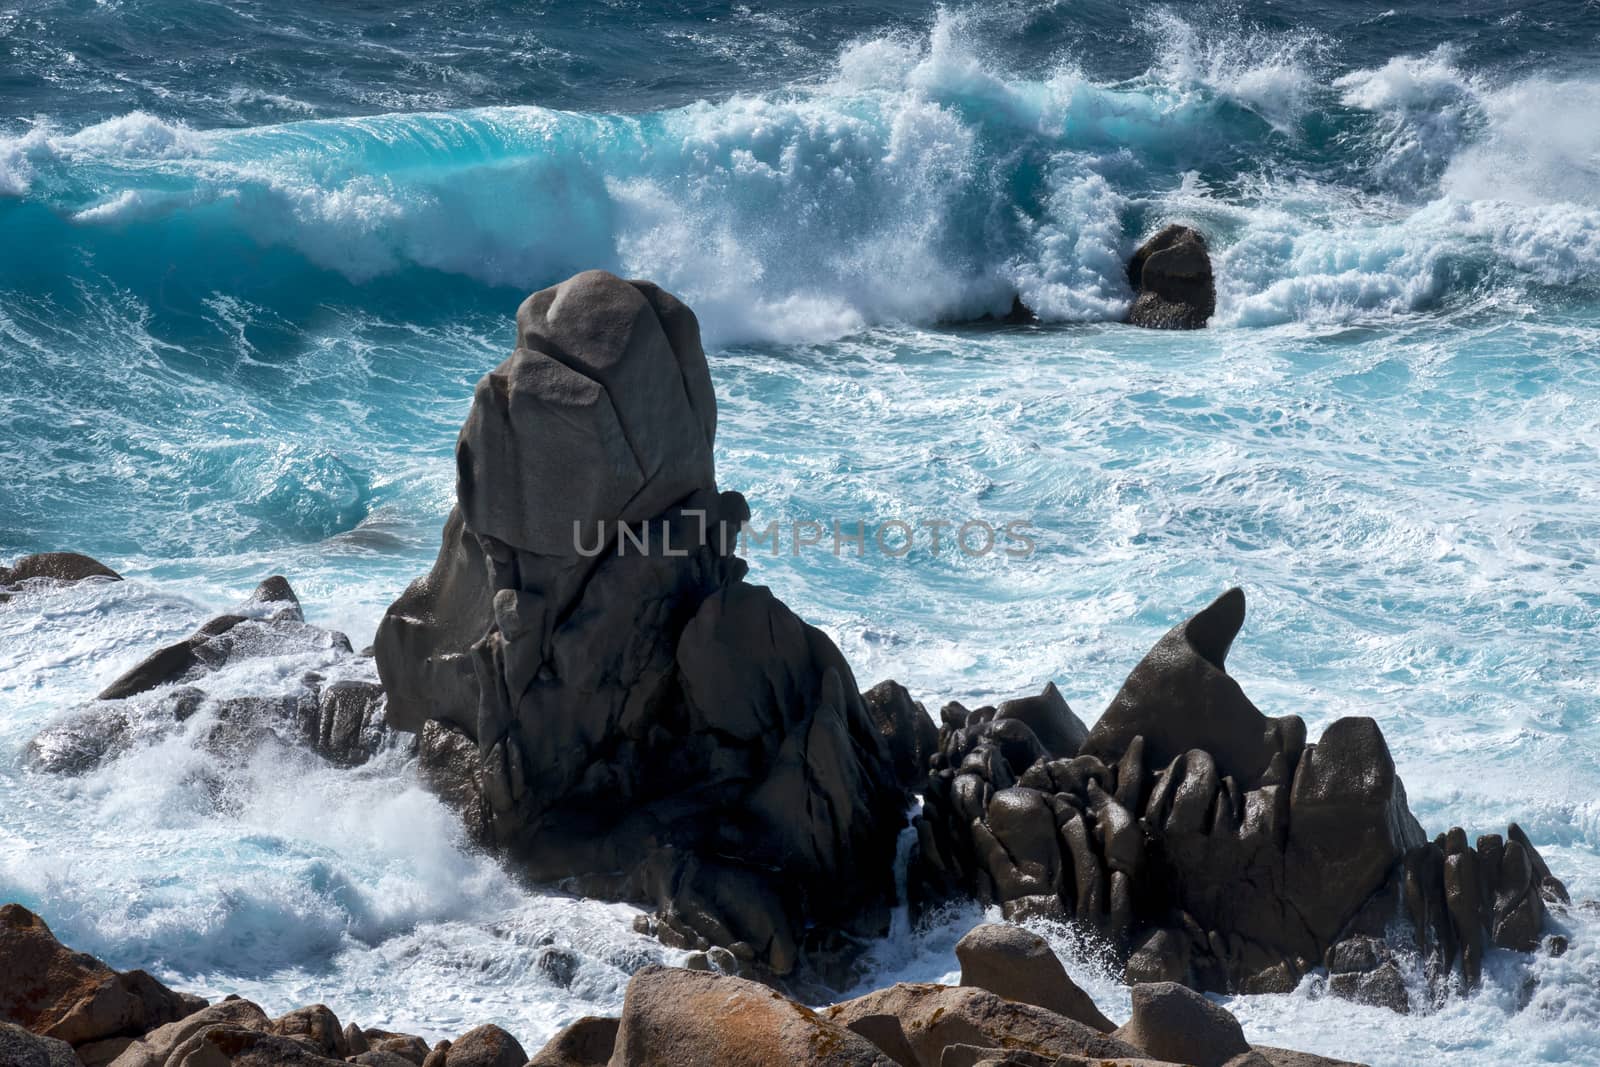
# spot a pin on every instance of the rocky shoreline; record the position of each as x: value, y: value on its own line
x: 1015, y: 1007
x: 636, y: 721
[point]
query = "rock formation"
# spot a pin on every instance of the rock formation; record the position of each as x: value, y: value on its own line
x: 1172, y: 281
x: 595, y: 681
x: 336, y: 710
x: 1210, y: 845
x: 669, y: 1016
x: 62, y: 567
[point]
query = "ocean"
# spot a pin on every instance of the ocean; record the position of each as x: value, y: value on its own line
x: 252, y: 263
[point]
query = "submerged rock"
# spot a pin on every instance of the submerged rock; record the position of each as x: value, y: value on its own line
x: 1171, y: 277
x: 633, y: 715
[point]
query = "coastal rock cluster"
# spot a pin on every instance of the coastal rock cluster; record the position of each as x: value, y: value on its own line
x: 587, y: 675
x: 1208, y: 844
x: 1015, y: 1007
x: 335, y: 711
x: 617, y: 707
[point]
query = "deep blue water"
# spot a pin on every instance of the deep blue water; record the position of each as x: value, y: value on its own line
x: 253, y: 261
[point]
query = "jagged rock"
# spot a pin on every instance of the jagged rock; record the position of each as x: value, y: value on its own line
x: 1185, y: 670
x: 1210, y: 845
x: 908, y: 733
x: 1382, y: 987
x: 1348, y: 825
x: 1050, y: 719
x: 673, y: 1017
x: 1172, y: 277
x: 588, y: 1042
x: 1017, y: 964
x: 934, y: 1017
x: 1172, y: 1022
x: 485, y: 1046
x: 631, y: 716
x: 73, y: 997
x: 21, y: 1048
x: 345, y: 725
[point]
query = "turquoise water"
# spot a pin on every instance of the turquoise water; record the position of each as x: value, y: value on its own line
x: 244, y: 298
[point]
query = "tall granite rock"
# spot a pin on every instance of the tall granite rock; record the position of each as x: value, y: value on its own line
x: 1211, y: 845
x: 594, y: 681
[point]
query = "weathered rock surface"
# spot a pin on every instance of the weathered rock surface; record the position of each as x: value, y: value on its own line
x: 54, y: 992
x: 1017, y: 964
x: 335, y: 710
x: 588, y: 1042
x: 1173, y: 1022
x: 678, y: 1018
x: 633, y: 717
x: 22, y: 1048
x: 1173, y: 282
x: 1210, y: 845
x: 935, y: 1017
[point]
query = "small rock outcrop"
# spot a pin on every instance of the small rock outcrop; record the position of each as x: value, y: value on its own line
x: 59, y: 567
x: 1172, y: 281
x: 1173, y: 1022
x: 1017, y: 964
x: 335, y: 709
x: 611, y: 702
x: 1210, y: 845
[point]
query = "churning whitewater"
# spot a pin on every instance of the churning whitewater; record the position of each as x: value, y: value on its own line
x: 243, y: 303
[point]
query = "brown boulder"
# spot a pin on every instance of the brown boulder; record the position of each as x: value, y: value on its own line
x: 588, y: 1042
x: 485, y: 1046
x: 1173, y: 1022
x: 677, y: 1018
x: 934, y: 1017
x: 1017, y: 964
x: 55, y: 992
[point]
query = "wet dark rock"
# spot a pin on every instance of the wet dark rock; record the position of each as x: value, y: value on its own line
x: 60, y: 567
x: 907, y: 731
x: 1210, y: 845
x: 624, y: 712
x: 1172, y: 278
